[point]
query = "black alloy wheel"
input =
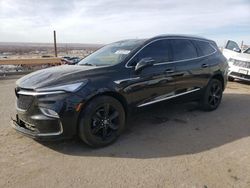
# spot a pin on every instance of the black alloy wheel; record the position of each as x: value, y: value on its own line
x: 105, y: 121
x: 101, y: 121
x: 215, y: 94
x: 212, y: 96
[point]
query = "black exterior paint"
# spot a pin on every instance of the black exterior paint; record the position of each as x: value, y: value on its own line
x: 130, y: 87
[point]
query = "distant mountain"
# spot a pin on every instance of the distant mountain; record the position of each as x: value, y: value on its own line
x: 29, y: 44
x: 21, y: 48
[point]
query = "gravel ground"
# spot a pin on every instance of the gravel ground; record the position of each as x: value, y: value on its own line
x: 166, y: 145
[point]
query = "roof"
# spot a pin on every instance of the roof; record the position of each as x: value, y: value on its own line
x: 169, y: 36
x: 179, y: 36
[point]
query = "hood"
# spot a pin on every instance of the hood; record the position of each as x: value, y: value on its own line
x: 242, y: 57
x: 54, y: 76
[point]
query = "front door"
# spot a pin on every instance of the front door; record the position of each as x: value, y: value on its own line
x: 231, y: 49
x: 153, y: 83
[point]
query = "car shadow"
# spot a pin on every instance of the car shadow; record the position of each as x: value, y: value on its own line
x: 167, y: 129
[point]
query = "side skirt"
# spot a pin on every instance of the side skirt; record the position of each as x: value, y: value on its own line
x: 168, y: 97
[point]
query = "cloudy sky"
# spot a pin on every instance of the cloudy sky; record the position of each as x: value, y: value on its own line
x: 104, y: 21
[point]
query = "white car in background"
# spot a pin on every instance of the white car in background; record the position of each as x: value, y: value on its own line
x: 247, y: 51
x: 239, y: 62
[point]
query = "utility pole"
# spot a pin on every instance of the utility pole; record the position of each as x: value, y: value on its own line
x: 55, y: 47
x: 242, y: 44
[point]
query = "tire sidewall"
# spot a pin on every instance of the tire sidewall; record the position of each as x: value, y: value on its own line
x: 205, y: 103
x: 84, y: 130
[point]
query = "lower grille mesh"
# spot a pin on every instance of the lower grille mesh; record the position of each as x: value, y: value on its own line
x: 24, y: 101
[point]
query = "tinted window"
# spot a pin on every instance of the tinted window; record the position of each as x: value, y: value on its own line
x: 159, y: 51
x: 205, y: 47
x: 247, y: 51
x: 231, y: 45
x: 183, y: 49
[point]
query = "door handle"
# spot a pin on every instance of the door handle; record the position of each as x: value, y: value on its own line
x: 169, y: 71
x: 204, y: 65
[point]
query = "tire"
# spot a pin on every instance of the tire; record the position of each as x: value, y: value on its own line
x: 212, y: 96
x: 101, y: 121
x: 231, y: 79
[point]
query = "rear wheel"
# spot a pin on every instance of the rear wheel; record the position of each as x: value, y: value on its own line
x: 212, y: 96
x: 102, y: 121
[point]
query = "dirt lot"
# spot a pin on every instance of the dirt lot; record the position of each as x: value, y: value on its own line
x: 165, y: 146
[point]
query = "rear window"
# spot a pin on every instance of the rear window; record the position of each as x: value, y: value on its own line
x: 183, y: 49
x: 204, y: 47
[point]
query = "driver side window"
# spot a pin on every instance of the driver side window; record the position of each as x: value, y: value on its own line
x: 158, y: 51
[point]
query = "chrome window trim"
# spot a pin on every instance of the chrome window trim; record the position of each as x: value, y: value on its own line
x: 35, y: 93
x: 167, y: 38
x: 166, y: 98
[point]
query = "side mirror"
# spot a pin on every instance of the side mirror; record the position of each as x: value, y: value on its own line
x: 237, y: 50
x: 143, y: 63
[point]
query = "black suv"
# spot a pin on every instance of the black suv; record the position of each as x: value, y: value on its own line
x: 93, y: 99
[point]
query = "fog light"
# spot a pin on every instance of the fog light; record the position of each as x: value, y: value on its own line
x: 49, y: 112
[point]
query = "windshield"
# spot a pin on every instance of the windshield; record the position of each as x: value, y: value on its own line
x: 111, y: 54
x: 247, y: 51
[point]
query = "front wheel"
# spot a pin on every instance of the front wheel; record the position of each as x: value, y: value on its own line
x: 231, y: 79
x: 212, y: 96
x: 102, y: 121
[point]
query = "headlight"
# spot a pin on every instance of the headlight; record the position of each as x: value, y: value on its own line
x: 67, y: 87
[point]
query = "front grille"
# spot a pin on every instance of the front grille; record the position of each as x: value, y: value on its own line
x: 244, y: 64
x: 24, y: 101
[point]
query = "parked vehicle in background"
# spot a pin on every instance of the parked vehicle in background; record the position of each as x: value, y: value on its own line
x: 239, y: 62
x: 247, y: 51
x: 94, y: 98
x: 47, y: 56
x: 71, y: 60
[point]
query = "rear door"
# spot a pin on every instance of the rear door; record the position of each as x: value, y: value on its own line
x: 231, y: 49
x: 192, y: 68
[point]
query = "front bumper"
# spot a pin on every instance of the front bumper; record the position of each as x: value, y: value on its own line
x: 46, y: 117
x: 237, y: 72
x: 25, y: 129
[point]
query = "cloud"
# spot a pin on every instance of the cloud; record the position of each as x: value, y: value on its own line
x: 105, y: 21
